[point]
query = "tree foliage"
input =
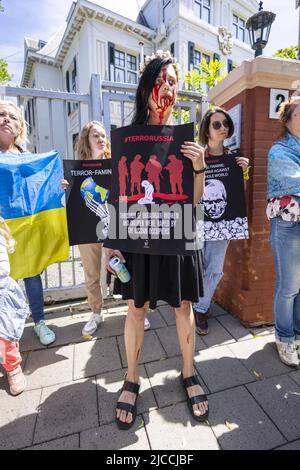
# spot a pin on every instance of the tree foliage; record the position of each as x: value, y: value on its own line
x: 209, y: 75
x: 4, y: 75
x: 287, y: 52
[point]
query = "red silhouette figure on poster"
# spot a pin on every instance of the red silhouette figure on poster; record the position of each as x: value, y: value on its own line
x: 123, y: 175
x: 153, y: 169
x: 136, y: 168
x: 175, y: 169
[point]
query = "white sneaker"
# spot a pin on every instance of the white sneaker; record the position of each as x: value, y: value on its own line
x: 288, y: 353
x: 297, y: 344
x: 147, y: 324
x: 91, y: 326
x: 17, y: 381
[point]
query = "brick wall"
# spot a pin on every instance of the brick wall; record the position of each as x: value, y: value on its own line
x: 247, y: 287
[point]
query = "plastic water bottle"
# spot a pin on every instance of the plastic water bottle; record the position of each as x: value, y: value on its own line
x: 120, y: 269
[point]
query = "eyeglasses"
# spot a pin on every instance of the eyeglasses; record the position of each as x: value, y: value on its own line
x: 218, y: 124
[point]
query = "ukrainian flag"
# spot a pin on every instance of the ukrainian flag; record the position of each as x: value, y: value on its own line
x: 31, y: 204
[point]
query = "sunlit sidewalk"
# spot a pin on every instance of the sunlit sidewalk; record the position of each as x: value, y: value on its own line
x: 73, y: 387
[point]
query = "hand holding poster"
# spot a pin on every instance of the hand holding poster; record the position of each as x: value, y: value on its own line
x: 87, y: 195
x: 223, y: 201
x: 151, y: 191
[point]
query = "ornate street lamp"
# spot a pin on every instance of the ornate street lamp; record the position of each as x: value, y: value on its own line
x: 259, y: 27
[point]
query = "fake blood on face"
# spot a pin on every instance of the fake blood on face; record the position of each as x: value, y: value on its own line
x: 164, y: 100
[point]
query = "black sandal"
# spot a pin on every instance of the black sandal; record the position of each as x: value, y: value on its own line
x: 189, y: 382
x: 133, y: 388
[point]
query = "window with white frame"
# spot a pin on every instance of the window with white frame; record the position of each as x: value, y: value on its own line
x: 125, y: 67
x: 71, y: 83
x: 30, y: 115
x: 203, y: 9
x: 198, y: 57
x: 239, y: 28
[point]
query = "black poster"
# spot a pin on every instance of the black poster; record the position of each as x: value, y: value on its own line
x: 223, y: 201
x: 152, y: 190
x: 87, y: 196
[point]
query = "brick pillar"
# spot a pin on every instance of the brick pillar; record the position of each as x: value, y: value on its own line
x: 247, y: 287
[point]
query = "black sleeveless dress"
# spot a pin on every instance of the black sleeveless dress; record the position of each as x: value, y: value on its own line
x: 160, y: 277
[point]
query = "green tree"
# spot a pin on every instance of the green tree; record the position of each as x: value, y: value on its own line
x: 287, y: 52
x: 4, y: 75
x: 1, y: 6
x: 209, y: 75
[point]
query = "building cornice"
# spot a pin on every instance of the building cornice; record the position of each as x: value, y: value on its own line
x: 85, y: 10
x: 79, y: 12
x: 198, y: 22
x: 186, y: 20
x: 252, y: 8
x: 34, y: 57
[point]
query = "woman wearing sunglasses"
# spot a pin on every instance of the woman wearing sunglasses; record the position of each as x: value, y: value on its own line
x: 216, y: 126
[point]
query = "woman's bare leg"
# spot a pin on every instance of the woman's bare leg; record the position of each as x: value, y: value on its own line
x: 134, y: 337
x: 185, y: 325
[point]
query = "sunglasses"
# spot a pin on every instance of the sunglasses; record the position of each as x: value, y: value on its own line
x: 218, y: 124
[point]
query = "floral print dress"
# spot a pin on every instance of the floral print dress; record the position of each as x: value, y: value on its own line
x: 286, y: 207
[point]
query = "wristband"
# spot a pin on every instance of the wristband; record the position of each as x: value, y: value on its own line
x: 198, y: 172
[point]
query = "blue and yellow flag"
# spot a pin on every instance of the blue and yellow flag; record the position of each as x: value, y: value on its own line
x: 31, y: 204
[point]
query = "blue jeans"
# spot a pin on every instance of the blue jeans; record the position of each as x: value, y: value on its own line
x: 213, y: 261
x: 285, y: 242
x: 34, y: 291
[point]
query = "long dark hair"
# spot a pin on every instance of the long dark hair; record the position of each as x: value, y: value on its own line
x: 145, y: 87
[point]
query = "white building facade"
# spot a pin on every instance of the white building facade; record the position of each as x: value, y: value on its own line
x: 97, y: 40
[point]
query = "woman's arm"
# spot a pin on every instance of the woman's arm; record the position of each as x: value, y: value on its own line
x: 196, y: 154
x: 198, y: 187
x: 244, y: 164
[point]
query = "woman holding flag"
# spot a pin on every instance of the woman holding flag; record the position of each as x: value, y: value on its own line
x: 12, y: 136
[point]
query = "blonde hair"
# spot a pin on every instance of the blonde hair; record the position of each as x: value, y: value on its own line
x: 285, y: 113
x: 83, y: 146
x: 21, y: 137
x: 6, y: 233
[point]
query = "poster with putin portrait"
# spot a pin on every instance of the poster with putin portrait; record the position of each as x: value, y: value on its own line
x: 223, y: 200
x: 151, y: 194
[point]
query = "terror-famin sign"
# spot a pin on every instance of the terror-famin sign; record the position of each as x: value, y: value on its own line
x: 87, y: 195
x: 223, y: 200
x: 151, y: 191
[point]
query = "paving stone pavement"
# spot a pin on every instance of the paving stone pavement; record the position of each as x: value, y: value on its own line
x: 73, y: 385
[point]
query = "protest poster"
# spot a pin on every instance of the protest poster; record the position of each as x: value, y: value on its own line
x: 86, y: 196
x: 223, y: 201
x: 151, y: 191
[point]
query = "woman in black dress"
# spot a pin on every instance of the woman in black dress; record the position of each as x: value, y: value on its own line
x: 175, y: 279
